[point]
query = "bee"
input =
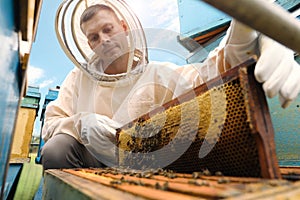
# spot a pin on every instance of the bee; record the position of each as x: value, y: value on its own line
x: 116, y: 182
x: 218, y: 173
x: 206, y: 172
x: 197, y: 174
x: 223, y: 180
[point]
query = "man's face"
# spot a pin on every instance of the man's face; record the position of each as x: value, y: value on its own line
x: 106, y: 36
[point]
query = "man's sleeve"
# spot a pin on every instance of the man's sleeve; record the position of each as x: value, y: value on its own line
x: 59, y: 115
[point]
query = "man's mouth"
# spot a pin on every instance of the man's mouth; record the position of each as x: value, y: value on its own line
x: 109, y: 49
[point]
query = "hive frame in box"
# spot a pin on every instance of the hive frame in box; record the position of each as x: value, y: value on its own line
x: 252, y: 150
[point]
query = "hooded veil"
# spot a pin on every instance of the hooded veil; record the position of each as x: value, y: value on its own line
x: 75, y: 45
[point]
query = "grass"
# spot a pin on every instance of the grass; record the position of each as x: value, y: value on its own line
x: 29, y: 180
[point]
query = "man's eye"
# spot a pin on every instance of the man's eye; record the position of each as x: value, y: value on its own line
x: 107, y: 29
x: 93, y: 38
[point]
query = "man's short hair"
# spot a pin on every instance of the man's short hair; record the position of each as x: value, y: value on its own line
x: 93, y: 10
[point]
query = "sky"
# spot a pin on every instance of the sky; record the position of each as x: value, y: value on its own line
x: 48, y: 64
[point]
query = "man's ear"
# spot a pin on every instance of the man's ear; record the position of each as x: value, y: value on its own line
x: 125, y: 27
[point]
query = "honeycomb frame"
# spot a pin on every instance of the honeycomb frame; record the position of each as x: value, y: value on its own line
x: 243, y: 145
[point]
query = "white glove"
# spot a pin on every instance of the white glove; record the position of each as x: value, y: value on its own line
x: 240, y: 43
x: 278, y: 71
x: 98, y: 134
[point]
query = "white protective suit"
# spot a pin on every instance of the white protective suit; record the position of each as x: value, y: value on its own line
x: 119, y: 102
x: 127, y: 99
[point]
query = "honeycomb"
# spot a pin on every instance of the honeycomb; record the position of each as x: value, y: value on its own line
x: 212, y: 131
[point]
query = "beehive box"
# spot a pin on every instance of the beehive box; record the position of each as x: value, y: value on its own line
x: 23, y: 133
x: 223, y: 125
x: 27, y: 114
x: 124, y: 184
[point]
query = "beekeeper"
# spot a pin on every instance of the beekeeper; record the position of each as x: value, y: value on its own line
x: 119, y: 84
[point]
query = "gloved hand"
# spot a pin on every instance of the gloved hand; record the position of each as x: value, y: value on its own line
x: 275, y: 68
x: 240, y: 43
x: 98, y: 134
x: 278, y: 71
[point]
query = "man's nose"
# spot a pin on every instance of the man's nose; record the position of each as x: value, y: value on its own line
x: 104, y: 38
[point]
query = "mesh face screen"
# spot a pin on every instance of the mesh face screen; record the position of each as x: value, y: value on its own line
x: 217, y: 130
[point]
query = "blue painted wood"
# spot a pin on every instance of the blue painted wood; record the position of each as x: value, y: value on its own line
x: 51, y: 96
x: 39, y: 193
x: 197, y: 18
x: 32, y: 98
x: 286, y: 123
x: 10, y: 81
x: 12, y: 180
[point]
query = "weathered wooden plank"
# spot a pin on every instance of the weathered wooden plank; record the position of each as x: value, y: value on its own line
x: 62, y: 185
x: 161, y: 184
